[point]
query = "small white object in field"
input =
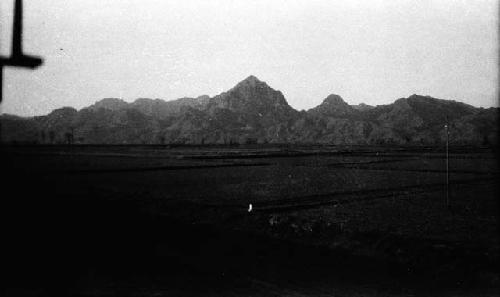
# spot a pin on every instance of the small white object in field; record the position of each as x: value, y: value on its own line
x: 250, y: 207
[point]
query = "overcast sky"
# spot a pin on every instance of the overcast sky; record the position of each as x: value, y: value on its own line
x: 365, y: 51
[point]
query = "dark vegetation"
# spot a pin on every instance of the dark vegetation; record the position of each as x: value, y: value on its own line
x: 174, y: 220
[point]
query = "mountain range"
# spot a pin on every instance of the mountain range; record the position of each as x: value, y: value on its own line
x: 253, y: 112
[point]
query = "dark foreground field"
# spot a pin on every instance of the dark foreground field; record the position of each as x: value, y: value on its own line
x: 175, y: 221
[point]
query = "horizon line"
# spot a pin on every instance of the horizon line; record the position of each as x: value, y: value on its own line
x: 250, y: 77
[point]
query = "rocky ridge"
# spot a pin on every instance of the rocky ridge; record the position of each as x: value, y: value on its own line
x: 253, y: 112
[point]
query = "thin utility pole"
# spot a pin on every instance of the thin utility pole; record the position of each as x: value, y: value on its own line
x: 447, y: 126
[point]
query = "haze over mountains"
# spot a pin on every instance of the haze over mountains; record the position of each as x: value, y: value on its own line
x: 253, y: 112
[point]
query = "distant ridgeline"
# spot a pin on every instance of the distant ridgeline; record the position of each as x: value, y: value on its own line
x: 253, y: 112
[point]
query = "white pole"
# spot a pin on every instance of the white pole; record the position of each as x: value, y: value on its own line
x: 447, y: 165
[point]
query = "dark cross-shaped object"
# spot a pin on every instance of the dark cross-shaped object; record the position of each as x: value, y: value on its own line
x: 17, y: 57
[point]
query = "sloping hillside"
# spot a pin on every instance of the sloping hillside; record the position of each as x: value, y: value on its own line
x: 253, y: 112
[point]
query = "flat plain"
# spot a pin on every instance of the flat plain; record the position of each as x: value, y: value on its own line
x: 270, y: 220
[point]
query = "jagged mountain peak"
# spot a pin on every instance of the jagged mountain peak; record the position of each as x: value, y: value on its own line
x: 426, y: 98
x: 251, y: 82
x: 67, y: 110
x: 251, y: 96
x: 109, y: 103
x: 203, y: 97
x: 252, y: 79
x: 334, y: 99
x: 110, y: 99
x: 144, y: 100
x: 416, y: 96
x: 362, y: 107
x: 434, y: 111
x: 333, y: 106
x: 416, y: 99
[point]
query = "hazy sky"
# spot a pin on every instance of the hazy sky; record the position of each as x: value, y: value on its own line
x: 365, y: 51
